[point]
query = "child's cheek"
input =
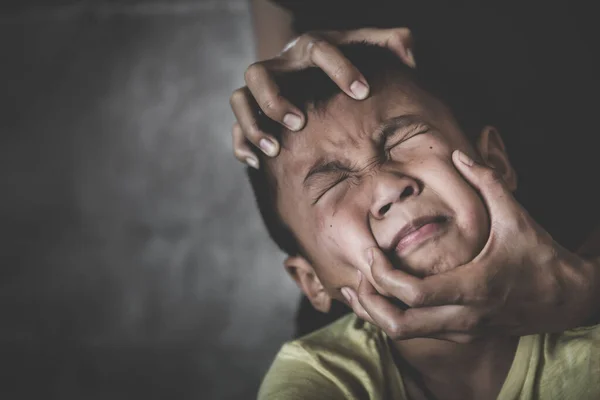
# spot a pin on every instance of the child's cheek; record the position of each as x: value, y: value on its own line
x: 343, y: 238
x: 332, y: 227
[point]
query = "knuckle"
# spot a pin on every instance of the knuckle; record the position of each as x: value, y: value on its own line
x: 416, y: 297
x: 554, y: 293
x: 472, y: 322
x: 482, y: 291
x: 399, y: 37
x: 394, y: 329
x: 524, y: 225
x: 271, y: 104
x: 403, y: 33
x: 237, y: 96
x: 339, y: 71
x: 316, y: 45
x: 254, y: 72
x: 519, y: 223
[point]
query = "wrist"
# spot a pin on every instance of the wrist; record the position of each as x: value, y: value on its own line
x: 581, y: 288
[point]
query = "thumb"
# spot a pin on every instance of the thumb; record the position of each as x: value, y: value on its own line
x: 488, y: 183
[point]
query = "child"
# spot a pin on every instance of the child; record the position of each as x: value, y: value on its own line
x: 381, y: 169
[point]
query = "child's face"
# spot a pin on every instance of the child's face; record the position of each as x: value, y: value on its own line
x: 343, y: 186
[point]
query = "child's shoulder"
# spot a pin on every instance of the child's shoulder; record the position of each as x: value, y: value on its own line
x: 573, y: 345
x: 347, y: 359
x: 348, y: 338
x: 347, y: 331
x: 570, y: 364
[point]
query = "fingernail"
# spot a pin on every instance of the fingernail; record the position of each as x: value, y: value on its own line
x: 359, y: 90
x: 292, y: 121
x: 346, y: 293
x: 411, y: 58
x: 253, y: 162
x: 267, y: 146
x: 465, y: 159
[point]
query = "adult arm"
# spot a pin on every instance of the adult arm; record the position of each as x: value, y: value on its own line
x: 272, y: 27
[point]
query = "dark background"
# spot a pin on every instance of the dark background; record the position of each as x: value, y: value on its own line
x: 134, y: 263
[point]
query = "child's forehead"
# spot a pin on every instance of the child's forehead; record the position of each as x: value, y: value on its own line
x: 343, y: 126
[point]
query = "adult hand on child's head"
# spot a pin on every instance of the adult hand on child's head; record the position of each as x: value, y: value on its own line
x: 315, y: 49
x: 522, y: 282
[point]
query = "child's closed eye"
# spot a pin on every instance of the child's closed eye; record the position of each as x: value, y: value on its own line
x: 406, y: 136
x: 333, y: 181
x: 397, y: 147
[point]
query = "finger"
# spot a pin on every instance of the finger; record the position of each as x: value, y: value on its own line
x: 444, y: 321
x: 358, y: 309
x: 451, y: 287
x: 462, y: 338
x: 352, y: 300
x: 245, y: 112
x: 490, y: 184
x: 399, y: 40
x: 241, y: 149
x: 333, y: 62
x: 265, y: 91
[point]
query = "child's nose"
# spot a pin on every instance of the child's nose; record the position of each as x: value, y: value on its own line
x: 391, y: 190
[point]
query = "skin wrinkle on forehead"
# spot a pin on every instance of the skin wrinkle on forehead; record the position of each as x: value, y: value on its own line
x: 352, y: 128
x: 302, y: 148
x: 404, y: 124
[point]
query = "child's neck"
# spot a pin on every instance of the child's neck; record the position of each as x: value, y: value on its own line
x: 446, y: 370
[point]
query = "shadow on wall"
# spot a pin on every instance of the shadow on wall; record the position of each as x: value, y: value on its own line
x: 134, y: 261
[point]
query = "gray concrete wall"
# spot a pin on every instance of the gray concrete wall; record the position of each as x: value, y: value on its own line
x: 134, y: 264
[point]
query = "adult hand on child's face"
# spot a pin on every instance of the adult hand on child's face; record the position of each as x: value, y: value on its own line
x: 522, y: 282
x: 315, y: 49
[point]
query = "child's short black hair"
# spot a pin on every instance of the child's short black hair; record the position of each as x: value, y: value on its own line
x: 311, y: 87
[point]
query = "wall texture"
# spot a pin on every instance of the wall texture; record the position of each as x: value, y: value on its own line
x: 134, y: 263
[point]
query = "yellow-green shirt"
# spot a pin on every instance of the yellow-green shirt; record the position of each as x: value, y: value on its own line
x: 350, y: 359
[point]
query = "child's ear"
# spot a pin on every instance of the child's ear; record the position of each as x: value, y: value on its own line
x: 493, y: 153
x: 307, y: 280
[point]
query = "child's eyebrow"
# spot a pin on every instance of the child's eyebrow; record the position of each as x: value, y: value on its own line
x: 383, y: 132
x: 391, y: 126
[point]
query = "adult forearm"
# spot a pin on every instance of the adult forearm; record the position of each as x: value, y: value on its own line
x: 590, y: 251
x: 272, y: 28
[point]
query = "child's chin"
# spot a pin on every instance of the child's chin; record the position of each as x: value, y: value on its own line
x: 430, y: 260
